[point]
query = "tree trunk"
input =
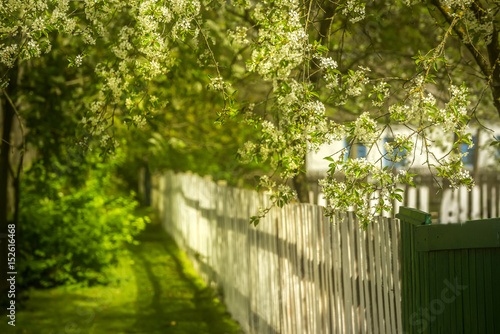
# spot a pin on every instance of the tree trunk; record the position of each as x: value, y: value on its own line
x: 494, y: 63
x: 6, y: 146
x: 301, y: 184
x: 495, y: 80
x: 301, y: 187
x: 7, y: 118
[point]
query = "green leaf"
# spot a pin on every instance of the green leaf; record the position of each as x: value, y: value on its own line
x: 254, y: 220
x: 314, y: 94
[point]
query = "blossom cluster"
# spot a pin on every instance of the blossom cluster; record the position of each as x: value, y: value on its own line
x: 456, y: 3
x: 355, y: 81
x: 355, y: 10
x: 452, y: 169
x: 327, y: 63
x: 26, y: 25
x: 366, y: 188
x: 453, y: 116
x: 239, y: 36
x: 381, y: 92
x: 398, y: 149
x: 281, y: 46
x: 365, y: 129
x: 329, y: 66
x: 218, y: 84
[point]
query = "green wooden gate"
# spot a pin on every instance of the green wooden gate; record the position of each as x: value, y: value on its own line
x: 450, y: 275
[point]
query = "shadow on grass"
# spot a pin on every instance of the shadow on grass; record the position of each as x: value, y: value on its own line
x: 173, y: 293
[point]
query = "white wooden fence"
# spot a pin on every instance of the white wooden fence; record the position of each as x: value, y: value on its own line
x: 483, y: 201
x: 296, y: 272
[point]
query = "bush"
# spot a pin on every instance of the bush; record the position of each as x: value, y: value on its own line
x: 70, y: 235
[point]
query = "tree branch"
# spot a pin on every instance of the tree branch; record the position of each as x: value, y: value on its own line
x: 478, y: 57
x: 488, y: 67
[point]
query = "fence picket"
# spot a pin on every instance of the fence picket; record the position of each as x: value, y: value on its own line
x: 337, y: 268
x: 329, y: 275
x: 484, y: 210
x: 354, y: 278
x: 364, y: 283
x: 373, y: 277
x: 463, y: 197
x: 389, y: 278
x: 346, y: 269
x: 493, y: 202
x: 323, y: 267
x: 378, y: 278
x: 394, y: 226
x: 476, y: 203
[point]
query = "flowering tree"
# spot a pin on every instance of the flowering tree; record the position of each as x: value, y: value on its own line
x: 302, y: 67
x: 383, y: 64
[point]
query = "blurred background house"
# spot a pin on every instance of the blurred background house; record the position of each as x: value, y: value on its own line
x: 445, y: 204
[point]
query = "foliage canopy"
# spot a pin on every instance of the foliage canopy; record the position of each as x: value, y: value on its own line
x: 303, y: 73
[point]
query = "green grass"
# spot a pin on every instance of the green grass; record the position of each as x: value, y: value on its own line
x: 154, y: 290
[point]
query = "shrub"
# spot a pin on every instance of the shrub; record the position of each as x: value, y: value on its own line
x: 70, y: 235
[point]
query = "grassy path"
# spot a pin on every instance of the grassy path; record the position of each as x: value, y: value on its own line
x: 155, y: 291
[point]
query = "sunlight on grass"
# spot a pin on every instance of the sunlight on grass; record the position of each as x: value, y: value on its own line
x: 154, y: 289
